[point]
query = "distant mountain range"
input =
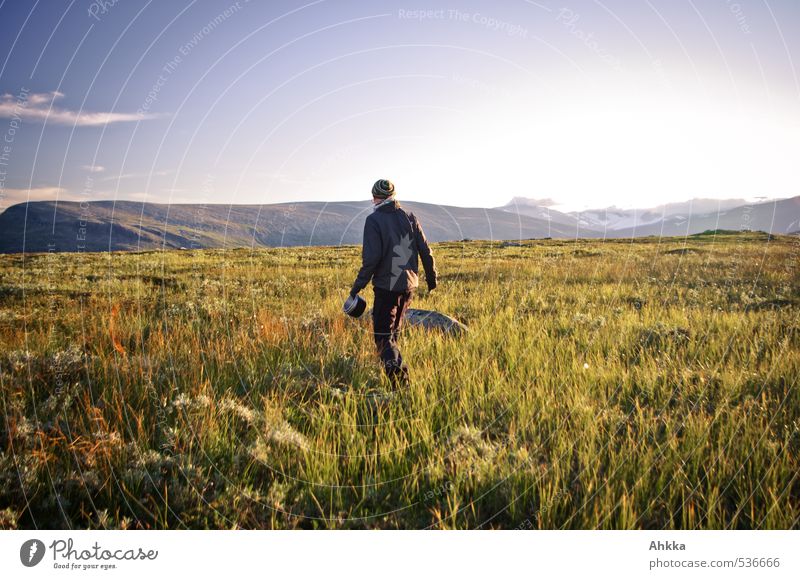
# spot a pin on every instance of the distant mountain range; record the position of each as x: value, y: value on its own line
x: 779, y: 216
x: 43, y: 226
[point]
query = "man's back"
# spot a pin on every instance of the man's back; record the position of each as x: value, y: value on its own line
x: 393, y: 244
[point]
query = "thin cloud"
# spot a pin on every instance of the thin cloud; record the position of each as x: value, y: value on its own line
x: 122, y: 176
x: 544, y: 202
x: 9, y: 197
x: 94, y: 168
x: 13, y: 196
x: 39, y: 107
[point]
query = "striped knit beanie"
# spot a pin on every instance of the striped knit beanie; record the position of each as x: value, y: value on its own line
x: 383, y: 189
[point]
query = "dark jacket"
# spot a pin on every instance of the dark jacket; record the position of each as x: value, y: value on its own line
x: 393, y: 242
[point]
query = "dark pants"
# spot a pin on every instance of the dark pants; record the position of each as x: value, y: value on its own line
x: 387, y: 320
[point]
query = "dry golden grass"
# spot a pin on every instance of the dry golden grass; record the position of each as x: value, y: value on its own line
x: 603, y: 384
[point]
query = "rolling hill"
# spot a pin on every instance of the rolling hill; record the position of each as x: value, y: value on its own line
x: 127, y: 225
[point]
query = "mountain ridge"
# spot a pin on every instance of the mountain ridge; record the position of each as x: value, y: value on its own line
x: 130, y: 225
x: 65, y: 226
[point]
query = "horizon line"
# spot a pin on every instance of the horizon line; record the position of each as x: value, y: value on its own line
x: 367, y: 200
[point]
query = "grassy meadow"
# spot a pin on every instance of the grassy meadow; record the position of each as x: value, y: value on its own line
x: 615, y: 384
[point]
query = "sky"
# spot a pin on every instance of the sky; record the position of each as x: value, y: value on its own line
x: 468, y: 103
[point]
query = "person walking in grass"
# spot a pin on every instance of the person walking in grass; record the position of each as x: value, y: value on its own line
x: 393, y: 243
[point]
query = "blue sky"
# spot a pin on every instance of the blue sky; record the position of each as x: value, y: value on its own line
x: 584, y: 102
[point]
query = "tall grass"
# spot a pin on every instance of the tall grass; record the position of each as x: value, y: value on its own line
x: 603, y: 384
